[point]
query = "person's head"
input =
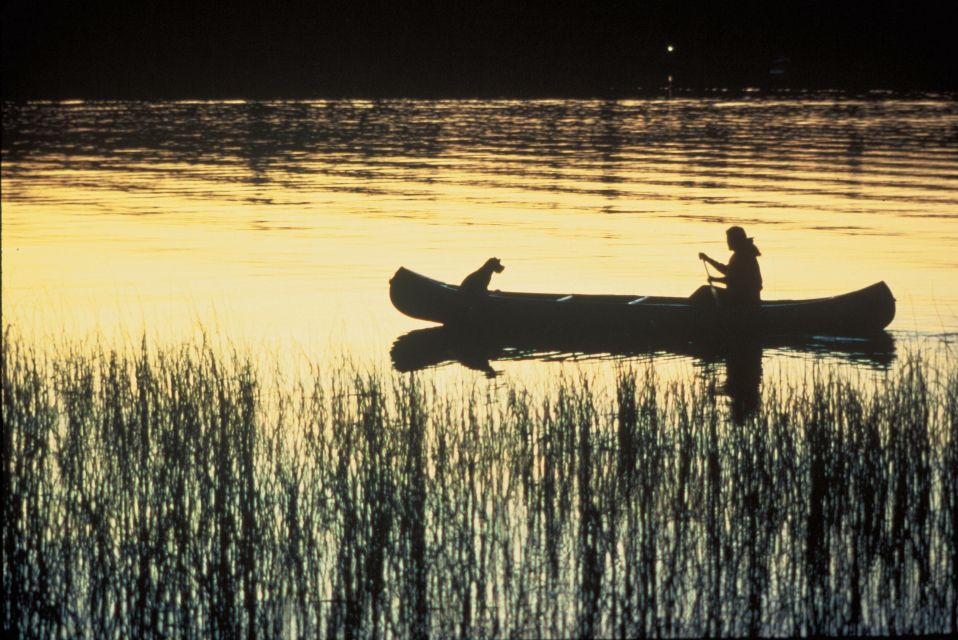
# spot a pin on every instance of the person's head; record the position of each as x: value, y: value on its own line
x: 737, y: 240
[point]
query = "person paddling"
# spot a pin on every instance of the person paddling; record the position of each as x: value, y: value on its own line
x: 742, y: 277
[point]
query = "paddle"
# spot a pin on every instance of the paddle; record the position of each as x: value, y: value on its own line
x: 708, y: 277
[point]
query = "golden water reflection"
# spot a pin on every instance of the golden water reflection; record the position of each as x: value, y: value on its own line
x: 284, y: 221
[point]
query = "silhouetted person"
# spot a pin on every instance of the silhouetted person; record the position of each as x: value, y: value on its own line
x: 742, y: 277
x: 477, y: 282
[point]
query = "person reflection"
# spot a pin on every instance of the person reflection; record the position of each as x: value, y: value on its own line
x: 743, y: 375
x: 741, y: 276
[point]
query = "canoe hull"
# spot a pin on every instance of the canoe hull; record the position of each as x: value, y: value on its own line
x: 864, y: 312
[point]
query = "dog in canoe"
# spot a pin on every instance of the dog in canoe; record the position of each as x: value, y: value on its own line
x: 477, y: 282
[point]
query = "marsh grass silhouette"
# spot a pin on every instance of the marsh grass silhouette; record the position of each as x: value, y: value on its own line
x: 180, y: 492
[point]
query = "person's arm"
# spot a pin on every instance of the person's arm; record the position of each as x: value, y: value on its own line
x: 715, y: 263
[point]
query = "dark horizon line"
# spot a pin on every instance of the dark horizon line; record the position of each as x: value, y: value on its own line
x: 641, y: 93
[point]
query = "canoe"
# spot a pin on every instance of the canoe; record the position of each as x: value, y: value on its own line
x: 859, y: 313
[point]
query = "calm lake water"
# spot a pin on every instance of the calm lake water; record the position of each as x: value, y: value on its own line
x: 174, y: 502
x: 282, y: 222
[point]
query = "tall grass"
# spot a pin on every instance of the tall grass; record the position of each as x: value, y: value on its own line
x: 177, y: 493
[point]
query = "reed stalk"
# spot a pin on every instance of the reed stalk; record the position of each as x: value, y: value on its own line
x: 182, y: 492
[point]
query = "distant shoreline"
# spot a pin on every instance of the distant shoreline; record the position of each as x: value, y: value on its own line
x: 640, y: 93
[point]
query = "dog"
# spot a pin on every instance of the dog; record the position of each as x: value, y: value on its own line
x: 477, y: 282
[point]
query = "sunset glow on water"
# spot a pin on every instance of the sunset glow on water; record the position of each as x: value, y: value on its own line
x: 283, y: 221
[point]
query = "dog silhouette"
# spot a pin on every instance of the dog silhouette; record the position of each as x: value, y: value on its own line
x: 477, y: 282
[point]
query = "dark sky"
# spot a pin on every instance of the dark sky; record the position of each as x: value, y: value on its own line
x: 455, y: 48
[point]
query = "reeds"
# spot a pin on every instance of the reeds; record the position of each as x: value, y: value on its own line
x: 182, y: 493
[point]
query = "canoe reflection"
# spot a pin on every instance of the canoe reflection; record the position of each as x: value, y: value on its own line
x: 436, y: 346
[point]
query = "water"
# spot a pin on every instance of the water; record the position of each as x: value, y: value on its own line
x: 283, y: 221
x: 465, y: 506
